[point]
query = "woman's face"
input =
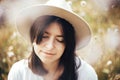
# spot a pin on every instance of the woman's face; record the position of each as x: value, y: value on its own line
x: 52, y: 45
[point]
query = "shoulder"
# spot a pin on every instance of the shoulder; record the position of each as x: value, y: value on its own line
x: 21, y: 71
x: 85, y: 71
x: 20, y: 64
x: 17, y: 68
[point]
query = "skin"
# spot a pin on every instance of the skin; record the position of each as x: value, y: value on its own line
x: 51, y: 49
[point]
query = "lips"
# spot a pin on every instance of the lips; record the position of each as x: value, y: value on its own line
x: 48, y: 53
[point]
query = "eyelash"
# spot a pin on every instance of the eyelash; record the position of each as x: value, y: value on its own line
x: 44, y: 36
x: 61, y: 41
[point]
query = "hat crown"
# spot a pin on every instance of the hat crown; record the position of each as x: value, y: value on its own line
x: 60, y: 3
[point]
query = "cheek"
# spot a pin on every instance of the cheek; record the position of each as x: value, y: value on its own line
x: 61, y: 48
x: 37, y: 49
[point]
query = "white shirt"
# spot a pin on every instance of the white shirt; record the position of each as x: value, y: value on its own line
x: 21, y: 71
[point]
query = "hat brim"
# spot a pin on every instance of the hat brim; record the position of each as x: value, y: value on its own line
x: 27, y: 16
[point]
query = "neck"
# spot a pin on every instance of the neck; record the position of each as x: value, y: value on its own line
x: 54, y: 70
x: 51, y: 67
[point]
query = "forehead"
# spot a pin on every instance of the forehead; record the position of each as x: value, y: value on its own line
x: 54, y: 28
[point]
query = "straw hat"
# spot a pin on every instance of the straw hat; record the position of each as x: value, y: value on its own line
x: 59, y: 8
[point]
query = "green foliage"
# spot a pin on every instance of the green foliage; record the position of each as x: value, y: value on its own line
x: 12, y: 49
x: 108, y: 66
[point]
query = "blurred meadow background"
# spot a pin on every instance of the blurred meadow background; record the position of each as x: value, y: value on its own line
x: 103, y: 51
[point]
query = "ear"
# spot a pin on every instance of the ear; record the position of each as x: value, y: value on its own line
x: 34, y: 43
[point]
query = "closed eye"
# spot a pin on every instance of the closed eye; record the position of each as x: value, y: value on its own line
x: 45, y: 37
x: 60, y: 39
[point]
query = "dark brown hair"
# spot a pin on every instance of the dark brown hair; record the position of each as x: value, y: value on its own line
x: 68, y: 57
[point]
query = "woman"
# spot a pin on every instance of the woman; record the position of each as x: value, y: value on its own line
x: 54, y: 41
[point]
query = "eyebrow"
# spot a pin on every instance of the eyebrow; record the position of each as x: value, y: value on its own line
x: 49, y: 33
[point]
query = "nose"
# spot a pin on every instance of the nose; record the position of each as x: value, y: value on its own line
x: 50, y: 44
